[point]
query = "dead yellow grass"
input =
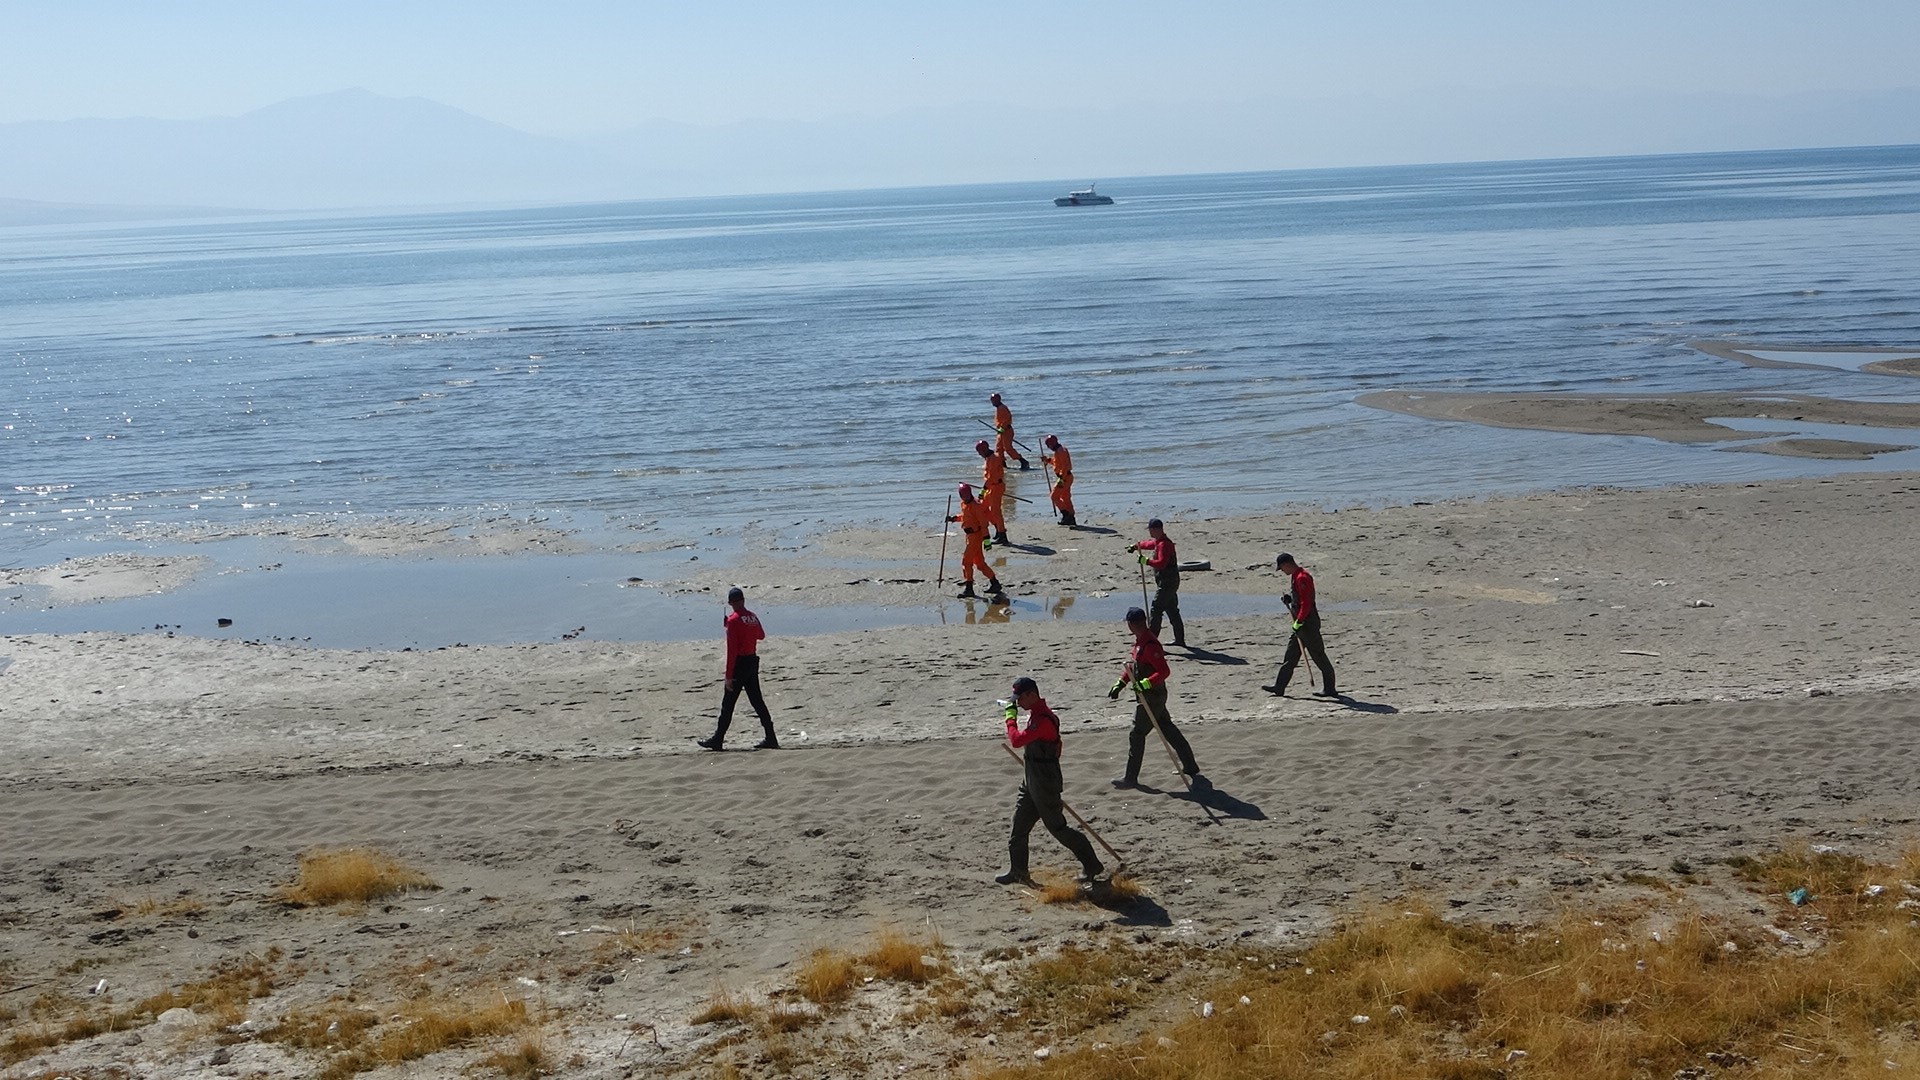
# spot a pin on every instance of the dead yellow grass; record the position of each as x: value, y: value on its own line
x: 428, y: 1026
x: 900, y: 958
x: 524, y: 1061
x: 1641, y: 992
x: 222, y: 998
x: 827, y: 976
x: 350, y: 876
x: 724, y: 1006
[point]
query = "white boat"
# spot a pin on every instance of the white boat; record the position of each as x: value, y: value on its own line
x: 1089, y: 197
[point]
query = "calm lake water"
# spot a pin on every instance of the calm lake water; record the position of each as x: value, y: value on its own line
x: 696, y: 365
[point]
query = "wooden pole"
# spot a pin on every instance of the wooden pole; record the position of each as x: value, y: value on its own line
x: 940, y: 579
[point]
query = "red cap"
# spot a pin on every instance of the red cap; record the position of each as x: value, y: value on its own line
x: 1052, y: 441
x: 966, y: 491
x: 995, y: 398
x: 981, y: 447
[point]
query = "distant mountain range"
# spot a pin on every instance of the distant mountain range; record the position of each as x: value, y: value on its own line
x: 356, y: 149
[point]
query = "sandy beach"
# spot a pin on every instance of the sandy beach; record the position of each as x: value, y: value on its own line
x: 1553, y: 697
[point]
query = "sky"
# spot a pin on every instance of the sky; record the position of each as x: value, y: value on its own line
x: 582, y: 67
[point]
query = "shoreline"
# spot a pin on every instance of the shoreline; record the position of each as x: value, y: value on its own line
x: 1556, y: 698
x: 1586, y: 597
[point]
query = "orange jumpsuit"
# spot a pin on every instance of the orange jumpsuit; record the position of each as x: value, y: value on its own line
x: 1003, y: 447
x: 993, y: 485
x: 973, y: 522
x: 1062, y: 465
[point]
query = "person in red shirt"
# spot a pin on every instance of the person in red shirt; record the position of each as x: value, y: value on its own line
x: 1158, y: 555
x: 1146, y: 672
x: 1062, y: 464
x: 1003, y: 423
x: 993, y: 489
x: 973, y: 522
x: 1306, y: 631
x: 1040, y: 791
x: 744, y: 634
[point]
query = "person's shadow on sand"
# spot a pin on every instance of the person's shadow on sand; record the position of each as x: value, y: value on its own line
x: 1219, y: 801
x: 1102, y: 530
x: 1350, y: 702
x: 1207, y: 656
x: 1137, y: 910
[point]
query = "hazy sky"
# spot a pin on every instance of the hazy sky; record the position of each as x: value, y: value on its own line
x: 586, y: 66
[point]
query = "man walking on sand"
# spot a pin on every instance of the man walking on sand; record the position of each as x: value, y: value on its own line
x: 993, y: 489
x: 973, y: 523
x: 1158, y: 555
x: 1062, y: 464
x: 1306, y: 631
x: 1146, y: 673
x: 1003, y: 423
x: 744, y: 634
x: 1040, y: 791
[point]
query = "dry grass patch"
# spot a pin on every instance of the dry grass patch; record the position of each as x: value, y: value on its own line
x: 351, y: 875
x: 525, y: 1061
x: 1647, y: 991
x: 428, y: 1026
x: 722, y: 1007
x: 827, y: 976
x: 900, y: 958
x: 222, y: 997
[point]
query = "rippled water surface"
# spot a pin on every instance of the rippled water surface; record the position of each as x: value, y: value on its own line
x: 826, y: 358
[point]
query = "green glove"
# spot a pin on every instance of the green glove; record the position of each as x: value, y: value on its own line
x: 1114, y: 694
x: 1131, y: 548
x: 1144, y: 685
x: 1297, y: 624
x: 1013, y: 712
x: 1142, y: 558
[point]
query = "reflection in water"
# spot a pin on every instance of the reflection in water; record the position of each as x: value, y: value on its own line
x: 994, y: 613
x: 1058, y: 607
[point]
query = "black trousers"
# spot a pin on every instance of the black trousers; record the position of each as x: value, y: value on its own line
x: 746, y: 676
x: 1040, y: 801
x: 1156, y: 700
x: 1308, y: 636
x: 1166, y: 604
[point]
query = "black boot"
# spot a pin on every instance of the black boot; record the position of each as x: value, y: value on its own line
x: 711, y: 742
x: 1013, y: 877
x: 968, y: 593
x: 993, y: 585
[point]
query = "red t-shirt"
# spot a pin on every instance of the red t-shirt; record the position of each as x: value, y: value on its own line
x: 1042, y: 727
x: 743, y: 634
x: 1302, y: 594
x: 1150, y: 660
x: 1159, y: 553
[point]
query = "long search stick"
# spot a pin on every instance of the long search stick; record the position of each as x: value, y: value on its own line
x: 1145, y: 604
x: 941, y: 578
x: 1047, y: 475
x: 1140, y: 697
x: 1120, y: 860
x: 1016, y: 438
x: 1005, y: 494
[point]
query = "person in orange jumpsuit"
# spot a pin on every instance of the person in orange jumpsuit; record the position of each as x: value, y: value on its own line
x: 973, y: 522
x: 1062, y: 464
x: 1003, y: 423
x: 993, y: 489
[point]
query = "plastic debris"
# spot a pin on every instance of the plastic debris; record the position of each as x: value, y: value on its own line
x: 1206, y: 1009
x: 1699, y: 603
x: 1362, y: 1018
x: 1799, y: 896
x: 1515, y: 1055
x: 1043, y: 1053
